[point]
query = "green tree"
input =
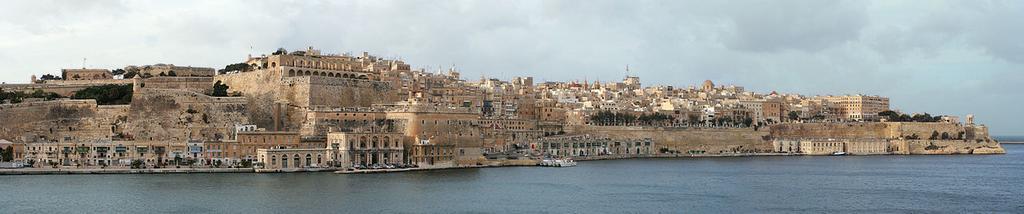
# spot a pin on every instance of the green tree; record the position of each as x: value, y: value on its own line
x: 240, y: 67
x: 794, y: 116
x: 8, y: 154
x: 118, y: 71
x: 110, y: 94
x: 50, y: 77
x: 220, y: 89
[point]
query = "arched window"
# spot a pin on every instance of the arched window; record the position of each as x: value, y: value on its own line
x: 298, y: 162
x: 307, y: 73
x: 284, y: 161
x: 319, y: 160
x: 330, y: 74
x: 374, y: 140
x: 273, y: 64
x: 291, y: 72
x: 386, y: 141
x: 273, y: 160
x: 316, y: 73
x: 362, y: 142
x: 309, y: 160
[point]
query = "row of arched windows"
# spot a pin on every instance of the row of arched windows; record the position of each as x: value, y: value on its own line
x: 320, y: 65
x: 293, y: 72
x: 375, y: 142
x: 296, y: 160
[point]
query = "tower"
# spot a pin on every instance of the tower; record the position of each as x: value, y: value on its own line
x: 136, y: 84
x: 708, y: 85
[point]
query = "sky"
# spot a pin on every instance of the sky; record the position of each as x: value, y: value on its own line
x: 935, y: 56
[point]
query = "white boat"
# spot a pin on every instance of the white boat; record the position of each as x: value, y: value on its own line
x: 565, y: 162
x: 838, y: 153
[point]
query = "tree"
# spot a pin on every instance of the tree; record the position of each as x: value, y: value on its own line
x: 50, y: 77
x: 794, y: 115
x: 130, y: 74
x: 110, y: 94
x: 237, y: 67
x: 890, y: 115
x: 8, y: 154
x: 220, y: 89
x: 118, y: 71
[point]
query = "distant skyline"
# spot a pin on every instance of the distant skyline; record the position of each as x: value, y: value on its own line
x: 941, y: 57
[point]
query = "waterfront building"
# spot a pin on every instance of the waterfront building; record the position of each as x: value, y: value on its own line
x: 363, y: 149
x: 292, y: 159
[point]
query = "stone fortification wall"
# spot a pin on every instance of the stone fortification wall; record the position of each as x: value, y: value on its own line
x: 62, y: 87
x: 684, y: 140
x: 89, y: 82
x: 264, y: 90
x: 175, y: 116
x: 294, y: 96
x: 829, y: 130
x: 201, y: 85
x: 880, y: 130
x: 336, y: 92
x: 63, y: 120
x: 925, y: 130
x: 947, y: 147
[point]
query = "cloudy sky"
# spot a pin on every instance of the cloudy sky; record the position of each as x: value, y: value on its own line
x: 946, y: 57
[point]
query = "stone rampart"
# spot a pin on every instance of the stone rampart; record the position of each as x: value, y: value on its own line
x: 59, y: 121
x: 166, y: 115
x: 688, y: 140
x: 194, y: 84
x: 948, y: 147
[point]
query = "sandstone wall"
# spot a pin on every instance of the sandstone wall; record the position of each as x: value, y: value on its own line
x: 882, y: 130
x: 61, y: 88
x: 946, y: 147
x: 339, y: 92
x: 710, y: 141
x: 201, y: 85
x: 60, y: 121
x: 163, y: 115
x: 829, y: 130
x: 265, y: 89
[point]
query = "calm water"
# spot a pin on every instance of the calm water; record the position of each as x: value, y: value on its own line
x: 890, y: 184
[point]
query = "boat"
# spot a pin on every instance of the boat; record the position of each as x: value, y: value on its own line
x: 838, y: 153
x: 563, y: 162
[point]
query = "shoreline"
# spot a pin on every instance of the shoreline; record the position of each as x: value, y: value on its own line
x: 52, y: 171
